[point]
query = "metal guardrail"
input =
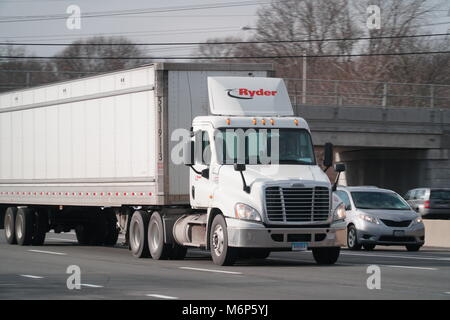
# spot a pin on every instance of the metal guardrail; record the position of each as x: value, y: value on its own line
x: 367, y: 93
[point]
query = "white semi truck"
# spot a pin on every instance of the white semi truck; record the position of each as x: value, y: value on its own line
x: 175, y: 155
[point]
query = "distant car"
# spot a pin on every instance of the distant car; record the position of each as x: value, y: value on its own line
x: 430, y: 203
x: 376, y: 216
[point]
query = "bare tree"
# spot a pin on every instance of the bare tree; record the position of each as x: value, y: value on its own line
x: 109, y: 47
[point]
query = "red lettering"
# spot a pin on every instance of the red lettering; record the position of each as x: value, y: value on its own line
x: 243, y: 92
x: 274, y: 92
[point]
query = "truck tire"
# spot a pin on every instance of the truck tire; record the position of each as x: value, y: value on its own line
x: 138, y: 234
x: 221, y: 253
x: 158, y: 249
x: 10, y: 225
x: 112, y: 230
x: 352, y: 238
x: 24, y: 226
x: 326, y: 256
x: 41, y: 226
x: 84, y: 234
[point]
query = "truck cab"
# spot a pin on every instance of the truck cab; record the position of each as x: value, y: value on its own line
x: 253, y: 169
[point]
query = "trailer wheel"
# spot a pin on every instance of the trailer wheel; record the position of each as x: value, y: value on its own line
x: 10, y: 225
x: 40, y: 228
x: 138, y: 234
x: 158, y: 249
x: 326, y: 255
x: 221, y: 253
x: 24, y: 226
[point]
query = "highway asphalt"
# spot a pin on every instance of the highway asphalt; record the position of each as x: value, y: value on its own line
x: 28, y: 272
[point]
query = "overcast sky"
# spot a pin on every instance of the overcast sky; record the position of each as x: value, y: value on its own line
x: 186, y: 25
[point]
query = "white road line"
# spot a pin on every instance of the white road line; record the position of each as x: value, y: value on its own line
x: 395, y: 256
x: 30, y: 276
x: 90, y: 285
x: 210, y: 270
x: 161, y: 296
x: 447, y: 292
x: 49, y: 252
x: 56, y: 239
x: 407, y: 267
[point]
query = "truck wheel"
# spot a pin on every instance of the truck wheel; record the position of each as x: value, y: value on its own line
x: 40, y: 228
x: 221, y: 253
x: 352, y: 239
x: 413, y: 247
x: 83, y: 233
x: 24, y: 226
x: 138, y: 234
x: 326, y: 255
x: 112, y: 230
x: 158, y: 249
x: 10, y: 225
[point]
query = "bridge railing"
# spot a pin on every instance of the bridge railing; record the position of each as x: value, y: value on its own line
x: 367, y: 93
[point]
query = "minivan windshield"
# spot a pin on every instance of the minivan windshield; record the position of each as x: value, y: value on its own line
x: 440, y: 194
x: 264, y: 146
x: 378, y: 200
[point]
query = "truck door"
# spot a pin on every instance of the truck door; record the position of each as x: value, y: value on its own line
x: 202, y: 187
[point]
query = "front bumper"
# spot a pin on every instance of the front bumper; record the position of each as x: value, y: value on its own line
x: 244, y: 234
x: 370, y: 233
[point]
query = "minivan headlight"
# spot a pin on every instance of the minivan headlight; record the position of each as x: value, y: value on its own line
x: 245, y: 212
x: 369, y: 218
x: 417, y: 220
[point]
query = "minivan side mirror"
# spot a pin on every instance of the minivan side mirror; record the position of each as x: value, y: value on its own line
x: 328, y: 155
x: 188, y: 153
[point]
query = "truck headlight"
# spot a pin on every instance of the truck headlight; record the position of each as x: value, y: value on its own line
x: 369, y: 218
x: 245, y: 212
x: 339, y: 213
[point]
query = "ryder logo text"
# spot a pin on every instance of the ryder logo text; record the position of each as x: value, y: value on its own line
x: 243, y: 93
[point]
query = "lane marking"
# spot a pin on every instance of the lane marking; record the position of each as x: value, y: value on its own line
x: 210, y: 270
x: 407, y: 267
x: 161, y: 296
x: 90, y: 285
x: 395, y: 256
x: 49, y: 252
x: 30, y: 276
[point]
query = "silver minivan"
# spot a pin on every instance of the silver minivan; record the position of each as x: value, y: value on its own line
x: 430, y: 203
x: 378, y: 216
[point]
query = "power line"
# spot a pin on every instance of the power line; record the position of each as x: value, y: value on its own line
x: 135, y: 11
x: 229, y: 57
x: 225, y: 42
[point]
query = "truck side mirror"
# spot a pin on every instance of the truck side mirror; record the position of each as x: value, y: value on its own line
x: 239, y: 167
x: 188, y: 153
x: 339, y: 167
x: 328, y: 155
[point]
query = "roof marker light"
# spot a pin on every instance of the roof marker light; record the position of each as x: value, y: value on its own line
x: 228, y: 121
x: 296, y: 122
x: 272, y: 122
x: 263, y: 121
x: 254, y: 121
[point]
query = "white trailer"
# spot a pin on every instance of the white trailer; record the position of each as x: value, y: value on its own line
x: 94, y: 155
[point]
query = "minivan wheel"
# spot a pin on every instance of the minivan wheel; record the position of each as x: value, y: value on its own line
x: 413, y: 247
x: 221, y: 253
x: 352, y: 239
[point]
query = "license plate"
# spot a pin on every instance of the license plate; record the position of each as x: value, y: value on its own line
x: 299, y: 246
x: 399, y: 233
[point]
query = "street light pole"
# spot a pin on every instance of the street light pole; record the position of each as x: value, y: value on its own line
x: 304, y: 79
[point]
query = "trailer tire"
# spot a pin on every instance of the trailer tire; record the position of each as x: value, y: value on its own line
x: 84, y: 234
x: 40, y: 227
x: 158, y: 249
x: 138, y: 234
x: 326, y: 256
x: 24, y: 226
x: 221, y: 253
x: 10, y: 225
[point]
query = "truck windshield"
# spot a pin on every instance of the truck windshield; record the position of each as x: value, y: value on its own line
x: 264, y: 146
x: 379, y: 200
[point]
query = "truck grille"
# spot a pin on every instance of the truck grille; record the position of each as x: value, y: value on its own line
x: 297, y: 204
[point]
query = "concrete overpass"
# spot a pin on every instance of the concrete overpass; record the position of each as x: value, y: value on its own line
x: 399, y: 148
